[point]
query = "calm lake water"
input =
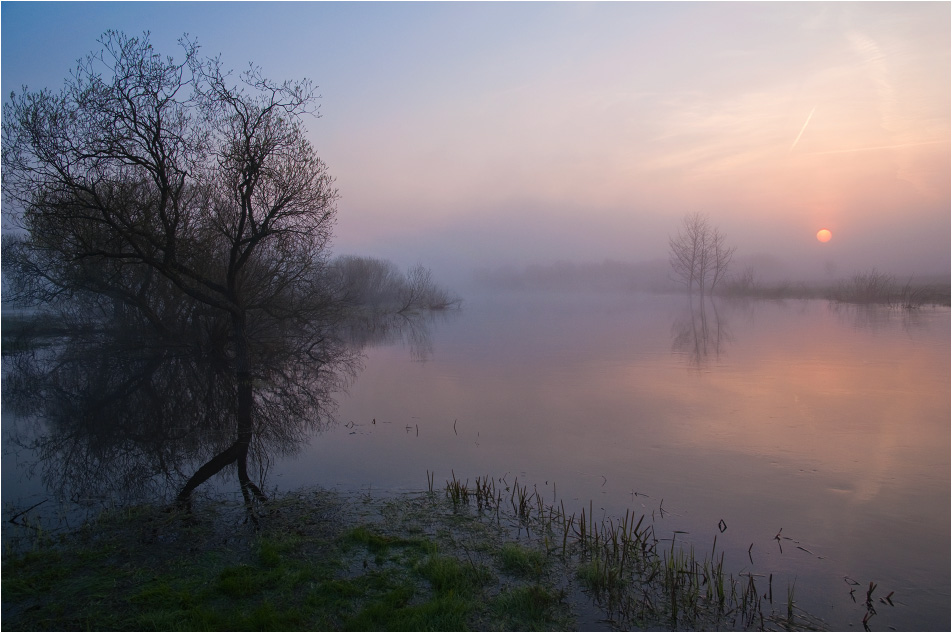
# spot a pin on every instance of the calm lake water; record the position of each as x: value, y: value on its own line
x: 828, y: 425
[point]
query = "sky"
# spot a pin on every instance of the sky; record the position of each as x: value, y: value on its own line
x: 473, y: 135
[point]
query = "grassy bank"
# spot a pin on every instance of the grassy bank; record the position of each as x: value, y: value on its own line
x: 462, y: 558
x: 864, y: 288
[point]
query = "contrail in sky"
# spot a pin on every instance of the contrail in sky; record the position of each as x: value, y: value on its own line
x: 797, y: 140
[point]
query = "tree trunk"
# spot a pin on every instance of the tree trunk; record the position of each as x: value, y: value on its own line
x: 211, y: 468
x: 244, y: 412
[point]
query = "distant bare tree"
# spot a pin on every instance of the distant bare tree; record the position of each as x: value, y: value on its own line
x: 699, y: 255
x: 722, y: 255
x: 686, y: 249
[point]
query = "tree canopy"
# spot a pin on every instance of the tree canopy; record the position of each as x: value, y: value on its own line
x: 143, y: 160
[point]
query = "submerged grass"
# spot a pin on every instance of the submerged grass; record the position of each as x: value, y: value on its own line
x: 490, y: 557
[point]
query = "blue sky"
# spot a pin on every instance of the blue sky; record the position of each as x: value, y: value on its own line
x: 474, y: 134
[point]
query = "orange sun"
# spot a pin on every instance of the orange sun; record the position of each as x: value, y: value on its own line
x: 824, y: 235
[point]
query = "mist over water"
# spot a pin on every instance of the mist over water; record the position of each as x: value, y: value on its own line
x: 810, y: 438
x: 527, y: 154
x: 826, y: 424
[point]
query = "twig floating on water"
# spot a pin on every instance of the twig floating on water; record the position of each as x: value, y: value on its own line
x: 16, y: 516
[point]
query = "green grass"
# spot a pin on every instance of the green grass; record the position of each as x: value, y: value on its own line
x: 379, y: 566
x: 320, y: 561
x: 521, y: 561
x: 528, y: 608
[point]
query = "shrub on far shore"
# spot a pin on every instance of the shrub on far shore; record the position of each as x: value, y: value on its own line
x: 379, y: 285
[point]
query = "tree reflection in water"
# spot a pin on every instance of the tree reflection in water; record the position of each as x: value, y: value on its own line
x: 117, y: 413
x: 700, y: 333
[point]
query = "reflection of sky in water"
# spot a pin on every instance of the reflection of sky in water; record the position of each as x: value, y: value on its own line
x: 830, y: 423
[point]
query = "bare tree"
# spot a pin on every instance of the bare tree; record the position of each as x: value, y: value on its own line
x: 168, y: 187
x: 699, y: 254
x: 721, y: 256
x: 686, y: 249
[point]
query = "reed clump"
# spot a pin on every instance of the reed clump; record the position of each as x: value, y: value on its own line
x: 483, y: 494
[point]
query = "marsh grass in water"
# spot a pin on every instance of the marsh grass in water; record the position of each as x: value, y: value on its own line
x: 622, y: 567
x: 462, y: 560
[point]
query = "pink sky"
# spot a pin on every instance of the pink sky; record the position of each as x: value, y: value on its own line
x: 466, y: 135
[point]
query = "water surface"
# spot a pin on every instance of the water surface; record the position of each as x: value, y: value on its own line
x: 825, y: 424
x: 811, y: 439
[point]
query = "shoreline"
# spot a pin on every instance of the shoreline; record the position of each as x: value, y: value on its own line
x: 463, y: 558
